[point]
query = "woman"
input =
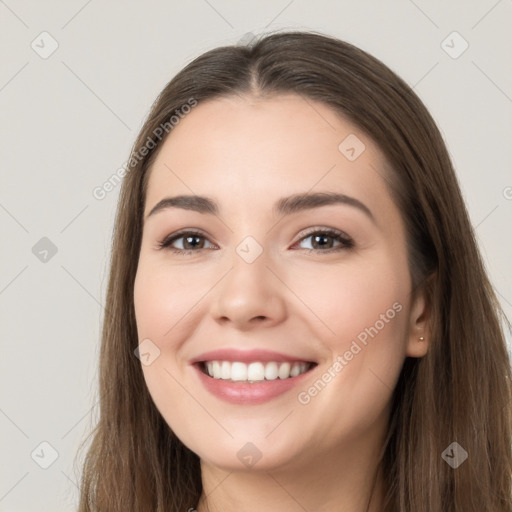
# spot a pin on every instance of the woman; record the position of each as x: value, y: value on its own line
x: 298, y: 317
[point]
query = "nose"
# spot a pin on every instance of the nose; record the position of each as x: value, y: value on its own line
x: 250, y: 295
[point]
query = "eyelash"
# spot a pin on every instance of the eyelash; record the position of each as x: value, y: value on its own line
x: 340, y: 236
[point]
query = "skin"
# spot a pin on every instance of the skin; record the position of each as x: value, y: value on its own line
x: 246, y: 153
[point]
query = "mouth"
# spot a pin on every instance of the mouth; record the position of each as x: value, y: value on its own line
x: 251, y: 376
x: 254, y: 372
x: 251, y: 383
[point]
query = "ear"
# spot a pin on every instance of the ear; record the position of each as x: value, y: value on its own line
x: 419, y: 335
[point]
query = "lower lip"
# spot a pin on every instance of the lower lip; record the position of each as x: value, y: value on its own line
x: 249, y: 394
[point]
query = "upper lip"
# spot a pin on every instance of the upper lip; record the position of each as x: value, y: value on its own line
x: 246, y: 356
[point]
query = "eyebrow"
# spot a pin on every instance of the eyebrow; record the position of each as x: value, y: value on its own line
x: 284, y: 206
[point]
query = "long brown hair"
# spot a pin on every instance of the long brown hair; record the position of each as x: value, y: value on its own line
x: 459, y: 392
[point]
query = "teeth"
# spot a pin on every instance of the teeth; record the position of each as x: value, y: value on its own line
x: 284, y: 370
x: 238, y: 371
x: 271, y: 371
x: 254, y: 372
x: 296, y: 369
x: 225, y: 370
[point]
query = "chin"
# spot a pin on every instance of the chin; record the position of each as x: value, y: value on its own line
x: 235, y: 455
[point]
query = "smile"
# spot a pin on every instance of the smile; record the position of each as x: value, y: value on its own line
x: 237, y: 371
x: 251, y: 376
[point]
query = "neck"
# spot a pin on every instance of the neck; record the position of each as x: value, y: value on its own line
x: 344, y: 480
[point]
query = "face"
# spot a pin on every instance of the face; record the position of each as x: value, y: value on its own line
x: 288, y: 282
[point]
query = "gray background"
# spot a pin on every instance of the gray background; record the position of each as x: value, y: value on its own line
x: 68, y: 122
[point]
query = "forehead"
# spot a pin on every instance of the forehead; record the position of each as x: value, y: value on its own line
x: 261, y: 148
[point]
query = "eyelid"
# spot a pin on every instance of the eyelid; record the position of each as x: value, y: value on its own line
x: 346, y: 240
x: 322, y: 229
x: 182, y: 233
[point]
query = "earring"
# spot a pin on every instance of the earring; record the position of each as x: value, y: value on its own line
x: 422, y: 338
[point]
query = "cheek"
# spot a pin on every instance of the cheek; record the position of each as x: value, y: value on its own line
x: 360, y: 314
x: 165, y: 298
x: 346, y: 300
x: 164, y: 302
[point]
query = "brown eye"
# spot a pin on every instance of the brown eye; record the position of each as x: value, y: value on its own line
x: 191, y: 242
x: 186, y: 241
x: 322, y: 241
x: 327, y: 240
